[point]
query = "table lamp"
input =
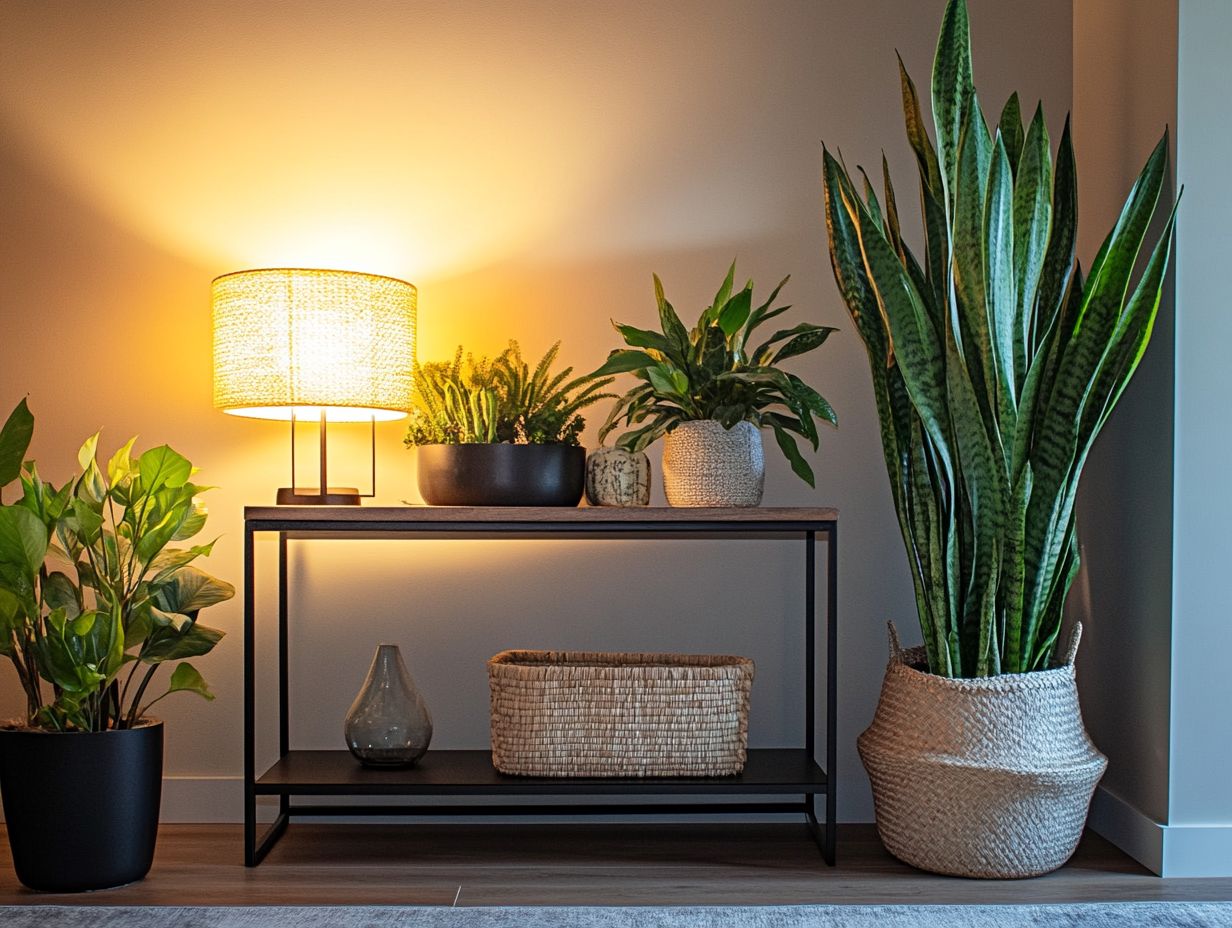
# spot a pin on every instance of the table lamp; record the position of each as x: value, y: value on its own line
x: 299, y: 344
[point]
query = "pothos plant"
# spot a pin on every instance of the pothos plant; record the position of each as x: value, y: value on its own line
x: 711, y: 372
x: 94, y: 601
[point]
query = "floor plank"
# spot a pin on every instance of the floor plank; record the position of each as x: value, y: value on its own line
x: 317, y: 864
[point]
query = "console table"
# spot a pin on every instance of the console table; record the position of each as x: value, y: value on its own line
x: 774, y: 780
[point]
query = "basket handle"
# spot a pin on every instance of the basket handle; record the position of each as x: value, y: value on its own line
x: 1071, y: 652
x: 896, y: 646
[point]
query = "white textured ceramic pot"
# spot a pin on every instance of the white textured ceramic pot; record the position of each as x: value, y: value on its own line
x: 617, y: 478
x: 988, y: 777
x: 705, y: 464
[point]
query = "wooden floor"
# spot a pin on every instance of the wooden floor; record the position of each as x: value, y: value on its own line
x: 586, y: 865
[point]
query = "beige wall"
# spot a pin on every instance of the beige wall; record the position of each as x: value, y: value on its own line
x: 527, y: 165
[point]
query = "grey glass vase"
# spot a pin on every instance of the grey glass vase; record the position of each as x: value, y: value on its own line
x: 389, y: 724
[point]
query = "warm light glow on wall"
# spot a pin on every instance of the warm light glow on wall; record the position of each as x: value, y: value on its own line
x: 294, y: 340
x: 412, y: 139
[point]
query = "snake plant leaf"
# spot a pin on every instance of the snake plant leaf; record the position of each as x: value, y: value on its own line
x: 892, y: 225
x: 874, y: 207
x: 1032, y: 225
x: 1000, y: 298
x: 1102, y: 301
x: 917, y: 343
x: 1058, y: 264
x: 976, y: 331
x: 981, y: 469
x: 1010, y: 127
x: 952, y: 90
x: 917, y: 134
x: 932, y: 191
x: 1129, y: 341
x: 847, y: 262
x: 921, y: 525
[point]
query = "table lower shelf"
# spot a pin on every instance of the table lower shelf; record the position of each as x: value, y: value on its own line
x: 470, y: 773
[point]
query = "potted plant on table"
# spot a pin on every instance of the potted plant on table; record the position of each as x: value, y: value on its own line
x: 93, y: 603
x: 995, y: 363
x: 497, y: 433
x: 708, y: 393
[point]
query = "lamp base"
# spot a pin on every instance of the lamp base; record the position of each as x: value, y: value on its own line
x: 311, y: 496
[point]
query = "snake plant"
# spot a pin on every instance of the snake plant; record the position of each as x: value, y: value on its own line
x: 994, y: 361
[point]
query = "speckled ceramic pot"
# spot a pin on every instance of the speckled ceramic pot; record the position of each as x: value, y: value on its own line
x: 617, y: 478
x: 705, y: 464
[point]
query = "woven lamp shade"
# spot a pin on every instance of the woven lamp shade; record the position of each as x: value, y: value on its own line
x: 297, y: 341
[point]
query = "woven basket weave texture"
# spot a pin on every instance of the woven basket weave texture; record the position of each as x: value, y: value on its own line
x: 587, y: 714
x: 987, y: 777
x: 705, y: 464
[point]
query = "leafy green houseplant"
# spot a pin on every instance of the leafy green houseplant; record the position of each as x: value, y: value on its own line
x: 995, y: 362
x: 95, y: 601
x: 499, y: 432
x: 484, y: 401
x: 718, y: 373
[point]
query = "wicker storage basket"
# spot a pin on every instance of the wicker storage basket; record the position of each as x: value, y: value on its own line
x: 582, y: 714
x: 986, y: 777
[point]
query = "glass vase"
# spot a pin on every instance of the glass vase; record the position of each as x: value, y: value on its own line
x: 389, y: 724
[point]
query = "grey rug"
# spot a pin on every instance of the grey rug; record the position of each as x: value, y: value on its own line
x: 1100, y: 915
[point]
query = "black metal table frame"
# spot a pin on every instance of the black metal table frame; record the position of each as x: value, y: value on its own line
x: 256, y: 847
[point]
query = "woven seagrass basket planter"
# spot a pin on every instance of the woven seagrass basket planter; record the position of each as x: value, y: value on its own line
x: 585, y: 714
x: 705, y: 464
x: 987, y: 777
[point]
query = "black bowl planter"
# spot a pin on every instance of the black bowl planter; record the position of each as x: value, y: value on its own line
x: 501, y: 475
x: 81, y: 808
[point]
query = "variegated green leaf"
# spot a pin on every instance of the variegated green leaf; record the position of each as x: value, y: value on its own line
x: 953, y: 91
x: 1032, y: 220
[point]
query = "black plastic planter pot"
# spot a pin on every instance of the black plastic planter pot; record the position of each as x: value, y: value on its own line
x: 82, y: 809
x: 501, y: 475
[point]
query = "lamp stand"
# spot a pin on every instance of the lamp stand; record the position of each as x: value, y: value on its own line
x: 324, y: 495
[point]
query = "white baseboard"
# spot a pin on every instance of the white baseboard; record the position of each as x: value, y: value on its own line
x: 1198, y: 850
x: 203, y: 800
x: 1138, y: 835
x: 1168, y: 850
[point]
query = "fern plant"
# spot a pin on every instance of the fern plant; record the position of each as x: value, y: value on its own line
x: 500, y: 400
x: 710, y: 372
x: 995, y: 363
